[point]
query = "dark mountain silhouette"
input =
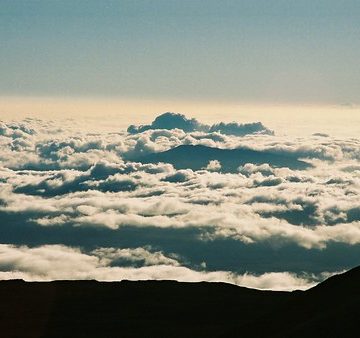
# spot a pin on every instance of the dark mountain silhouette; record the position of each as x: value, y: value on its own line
x: 198, y: 156
x: 174, y: 309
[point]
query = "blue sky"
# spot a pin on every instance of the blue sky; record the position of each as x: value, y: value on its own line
x: 246, y: 51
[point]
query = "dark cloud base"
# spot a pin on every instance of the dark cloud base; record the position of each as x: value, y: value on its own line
x: 219, y: 254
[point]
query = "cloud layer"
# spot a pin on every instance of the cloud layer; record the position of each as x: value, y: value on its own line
x: 56, y: 181
x: 58, y: 262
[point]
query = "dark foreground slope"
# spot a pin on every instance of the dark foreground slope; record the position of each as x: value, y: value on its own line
x: 172, y: 309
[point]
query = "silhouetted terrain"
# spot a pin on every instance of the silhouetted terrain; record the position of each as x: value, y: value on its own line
x: 197, y: 157
x: 173, y: 309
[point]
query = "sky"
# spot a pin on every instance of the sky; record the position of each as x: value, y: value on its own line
x: 299, y: 52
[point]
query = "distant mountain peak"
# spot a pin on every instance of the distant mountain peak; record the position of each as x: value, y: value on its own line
x: 196, y: 157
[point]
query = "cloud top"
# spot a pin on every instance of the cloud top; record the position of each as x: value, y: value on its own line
x: 89, y: 194
x: 179, y: 121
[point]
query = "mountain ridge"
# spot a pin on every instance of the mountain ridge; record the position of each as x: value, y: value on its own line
x: 175, y: 309
x: 197, y: 157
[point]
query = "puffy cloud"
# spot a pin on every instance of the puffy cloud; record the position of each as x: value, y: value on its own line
x: 279, y: 281
x: 37, y: 145
x: 170, y: 121
x: 265, y: 204
x: 56, y: 179
x: 179, y: 121
x: 250, y: 223
x: 137, y: 256
x: 240, y: 129
x: 180, y: 176
x: 56, y: 262
x: 213, y: 165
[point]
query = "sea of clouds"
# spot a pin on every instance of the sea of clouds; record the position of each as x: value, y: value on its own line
x: 73, y: 205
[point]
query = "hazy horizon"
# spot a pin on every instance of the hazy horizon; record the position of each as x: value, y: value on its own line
x: 303, y: 52
x: 114, y: 114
